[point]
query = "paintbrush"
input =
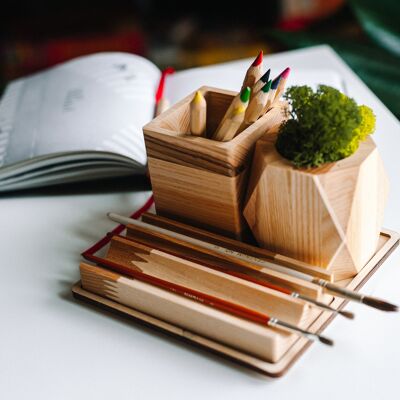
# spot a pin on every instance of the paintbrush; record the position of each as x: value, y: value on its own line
x: 341, y: 292
x: 212, y: 301
x: 296, y: 295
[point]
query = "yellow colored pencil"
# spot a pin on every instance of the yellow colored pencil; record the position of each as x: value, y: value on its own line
x: 231, y: 125
x: 198, y: 115
x: 240, y: 99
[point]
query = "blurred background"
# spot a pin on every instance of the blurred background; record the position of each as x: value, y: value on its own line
x: 366, y: 33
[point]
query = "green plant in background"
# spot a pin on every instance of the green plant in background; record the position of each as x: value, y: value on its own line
x: 375, y: 58
x: 324, y: 126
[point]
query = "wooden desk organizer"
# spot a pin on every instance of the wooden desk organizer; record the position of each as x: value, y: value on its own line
x: 198, y: 180
x: 269, y: 350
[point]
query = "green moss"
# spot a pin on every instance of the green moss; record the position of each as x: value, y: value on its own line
x: 324, y: 126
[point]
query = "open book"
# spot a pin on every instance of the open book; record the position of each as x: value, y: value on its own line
x: 83, y: 119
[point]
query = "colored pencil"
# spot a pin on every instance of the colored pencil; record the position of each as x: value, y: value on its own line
x: 198, y: 115
x: 271, y: 94
x: 254, y: 72
x: 260, y: 83
x: 162, y: 105
x: 282, y: 82
x: 241, y: 99
x: 231, y: 125
x: 256, y: 106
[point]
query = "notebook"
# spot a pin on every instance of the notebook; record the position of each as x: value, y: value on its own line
x: 82, y: 119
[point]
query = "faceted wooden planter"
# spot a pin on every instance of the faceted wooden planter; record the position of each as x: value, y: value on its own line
x: 329, y: 216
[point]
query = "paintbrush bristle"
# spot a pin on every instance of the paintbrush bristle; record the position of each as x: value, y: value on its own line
x: 325, y: 340
x: 379, y: 304
x: 347, y: 314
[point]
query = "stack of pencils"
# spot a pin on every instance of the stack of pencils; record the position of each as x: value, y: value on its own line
x: 257, y: 95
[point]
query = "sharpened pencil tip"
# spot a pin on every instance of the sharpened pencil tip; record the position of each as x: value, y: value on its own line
x: 197, y: 97
x: 285, y: 73
x: 275, y: 82
x: 245, y: 94
x: 265, y: 77
x: 258, y: 59
x: 379, y: 304
x: 267, y: 87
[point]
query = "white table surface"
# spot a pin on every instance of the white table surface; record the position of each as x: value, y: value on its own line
x: 53, y: 347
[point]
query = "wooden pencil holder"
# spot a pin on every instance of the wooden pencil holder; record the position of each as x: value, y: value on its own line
x: 198, y: 180
x: 329, y: 216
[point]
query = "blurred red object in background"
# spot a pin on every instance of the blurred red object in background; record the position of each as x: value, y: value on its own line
x: 21, y: 57
x: 299, y: 14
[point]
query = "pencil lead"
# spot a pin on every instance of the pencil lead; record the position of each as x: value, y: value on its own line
x: 238, y: 110
x: 245, y: 94
x: 275, y: 82
x: 258, y: 60
x: 265, y: 77
x: 267, y: 87
x: 198, y: 97
x: 285, y: 73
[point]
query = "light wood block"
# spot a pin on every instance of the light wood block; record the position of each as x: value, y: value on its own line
x: 198, y: 180
x: 267, y: 343
x: 205, y: 280
x: 103, y: 289
x: 211, y: 258
x: 329, y: 216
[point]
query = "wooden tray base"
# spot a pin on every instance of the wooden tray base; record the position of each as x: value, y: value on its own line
x: 389, y: 240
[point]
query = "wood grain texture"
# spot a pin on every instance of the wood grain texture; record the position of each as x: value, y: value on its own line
x: 170, y: 131
x: 202, y: 198
x: 328, y: 216
x: 267, y: 343
x: 209, y: 257
x: 209, y: 281
x: 387, y: 243
x: 199, y: 180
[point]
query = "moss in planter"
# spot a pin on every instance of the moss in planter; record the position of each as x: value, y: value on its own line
x: 325, y: 126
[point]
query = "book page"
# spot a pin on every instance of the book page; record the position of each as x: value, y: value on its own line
x: 96, y: 102
x: 230, y: 76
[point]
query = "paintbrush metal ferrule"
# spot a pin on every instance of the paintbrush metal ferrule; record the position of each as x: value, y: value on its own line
x: 358, y: 297
x: 275, y: 322
x: 319, y: 304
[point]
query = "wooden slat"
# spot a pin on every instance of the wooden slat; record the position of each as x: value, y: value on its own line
x: 387, y: 243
